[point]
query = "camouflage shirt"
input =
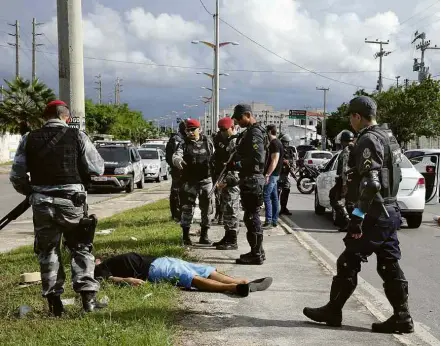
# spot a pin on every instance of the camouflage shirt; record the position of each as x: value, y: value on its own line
x: 20, y: 179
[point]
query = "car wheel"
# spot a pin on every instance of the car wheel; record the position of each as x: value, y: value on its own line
x: 159, y: 178
x: 306, y: 185
x: 140, y: 183
x: 131, y: 186
x: 167, y: 174
x: 414, y: 221
x: 319, y: 210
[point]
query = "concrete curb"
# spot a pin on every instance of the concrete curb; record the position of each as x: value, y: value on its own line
x: 366, y: 294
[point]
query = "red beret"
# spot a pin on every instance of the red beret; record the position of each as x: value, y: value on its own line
x: 53, y: 104
x: 225, y: 123
x: 192, y: 123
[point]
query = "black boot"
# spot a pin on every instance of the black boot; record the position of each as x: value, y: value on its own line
x: 284, y: 202
x: 400, y: 322
x: 89, y: 301
x: 230, y: 242
x: 186, y: 236
x: 255, y: 257
x: 222, y: 241
x: 250, y: 254
x: 220, y: 219
x: 55, y: 305
x: 203, y: 239
x: 331, y: 313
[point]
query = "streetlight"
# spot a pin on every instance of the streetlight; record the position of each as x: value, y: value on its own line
x: 190, y: 106
x: 212, y: 89
x: 212, y: 75
x: 215, y: 46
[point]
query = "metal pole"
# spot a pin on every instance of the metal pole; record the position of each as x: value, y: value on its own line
x: 397, y: 77
x: 216, y: 69
x: 324, y: 118
x: 1, y: 93
x: 17, y: 48
x: 70, y: 53
x: 33, y: 49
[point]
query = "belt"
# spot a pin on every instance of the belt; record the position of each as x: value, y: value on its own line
x: 58, y: 194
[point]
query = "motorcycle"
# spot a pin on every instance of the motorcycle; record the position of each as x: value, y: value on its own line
x: 306, y: 182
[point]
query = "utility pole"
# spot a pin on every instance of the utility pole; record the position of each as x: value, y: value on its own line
x: 1, y: 93
x: 397, y: 77
x: 34, y: 48
x: 118, y: 90
x: 70, y: 57
x: 380, y: 55
x: 306, y: 122
x: 324, y: 117
x: 216, y: 68
x: 17, y: 47
x: 406, y: 82
x: 99, y: 88
x: 424, y: 45
x: 266, y: 117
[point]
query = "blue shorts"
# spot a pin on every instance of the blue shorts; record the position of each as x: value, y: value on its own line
x: 169, y: 269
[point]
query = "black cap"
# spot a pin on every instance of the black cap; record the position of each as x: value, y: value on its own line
x: 240, y: 109
x: 363, y: 105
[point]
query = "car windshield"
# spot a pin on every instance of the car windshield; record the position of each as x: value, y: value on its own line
x: 113, y: 154
x: 148, y: 154
x: 405, y: 163
x: 321, y: 155
x: 154, y: 146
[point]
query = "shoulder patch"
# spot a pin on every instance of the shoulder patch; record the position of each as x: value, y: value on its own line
x: 367, y: 153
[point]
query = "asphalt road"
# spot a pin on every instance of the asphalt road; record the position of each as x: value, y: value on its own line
x: 420, y: 256
x: 9, y: 198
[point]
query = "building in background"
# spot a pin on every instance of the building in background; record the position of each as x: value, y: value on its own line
x: 301, y: 128
x: 8, y: 145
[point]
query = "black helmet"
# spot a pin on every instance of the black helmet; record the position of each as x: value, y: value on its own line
x: 285, y: 138
x: 346, y: 136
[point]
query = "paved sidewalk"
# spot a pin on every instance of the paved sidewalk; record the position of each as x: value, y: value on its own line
x: 21, y: 233
x: 273, y: 317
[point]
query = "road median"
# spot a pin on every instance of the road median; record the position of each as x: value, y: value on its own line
x: 135, y: 315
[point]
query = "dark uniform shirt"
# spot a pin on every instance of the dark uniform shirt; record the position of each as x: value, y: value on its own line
x: 129, y: 265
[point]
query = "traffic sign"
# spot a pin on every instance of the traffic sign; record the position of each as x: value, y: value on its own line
x: 297, y: 114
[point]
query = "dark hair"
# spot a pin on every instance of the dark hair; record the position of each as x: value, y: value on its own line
x: 272, y: 129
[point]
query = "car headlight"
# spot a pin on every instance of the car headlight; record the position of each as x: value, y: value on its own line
x: 154, y: 166
x: 122, y: 170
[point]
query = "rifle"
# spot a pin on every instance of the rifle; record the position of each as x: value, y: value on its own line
x: 15, y: 213
x: 222, y: 174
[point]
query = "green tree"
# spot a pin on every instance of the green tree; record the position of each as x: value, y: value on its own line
x: 23, y: 105
x: 335, y: 123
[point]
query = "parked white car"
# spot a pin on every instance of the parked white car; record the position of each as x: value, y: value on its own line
x: 316, y: 157
x: 410, y: 198
x: 155, y: 166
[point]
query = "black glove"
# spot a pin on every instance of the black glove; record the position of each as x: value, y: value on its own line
x: 355, y: 225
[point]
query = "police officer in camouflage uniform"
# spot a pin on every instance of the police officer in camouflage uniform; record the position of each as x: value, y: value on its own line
x: 338, y: 192
x: 374, y: 223
x: 250, y: 161
x: 170, y: 149
x: 59, y: 159
x: 284, y: 185
x: 228, y: 188
x: 193, y: 158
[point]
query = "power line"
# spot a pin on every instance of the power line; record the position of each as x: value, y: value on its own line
x: 288, y: 61
x: 210, y: 68
x: 202, y: 3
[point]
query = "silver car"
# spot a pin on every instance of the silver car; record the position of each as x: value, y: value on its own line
x: 155, y: 166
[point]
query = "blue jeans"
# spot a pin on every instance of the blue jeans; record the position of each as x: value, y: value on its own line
x: 271, y: 200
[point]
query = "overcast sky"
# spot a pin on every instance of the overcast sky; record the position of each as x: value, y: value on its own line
x: 324, y: 36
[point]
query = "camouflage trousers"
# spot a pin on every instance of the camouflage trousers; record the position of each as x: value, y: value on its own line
x: 175, y: 204
x: 52, y: 222
x: 230, y: 197
x: 189, y: 193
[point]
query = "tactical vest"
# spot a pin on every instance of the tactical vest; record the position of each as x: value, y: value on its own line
x: 390, y: 174
x: 340, y: 168
x: 221, y: 152
x: 60, y: 165
x: 197, y: 157
x: 288, y: 154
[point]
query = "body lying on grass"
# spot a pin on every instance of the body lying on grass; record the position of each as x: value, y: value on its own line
x: 135, y: 269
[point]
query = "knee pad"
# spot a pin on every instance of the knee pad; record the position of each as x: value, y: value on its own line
x: 348, y: 265
x: 390, y: 270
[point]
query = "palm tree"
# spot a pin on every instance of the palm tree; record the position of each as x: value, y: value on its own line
x: 23, y: 105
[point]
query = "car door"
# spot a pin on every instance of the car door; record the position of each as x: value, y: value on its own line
x: 324, y: 180
x: 428, y: 166
x: 137, y: 165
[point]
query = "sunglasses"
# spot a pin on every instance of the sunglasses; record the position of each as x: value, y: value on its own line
x: 193, y: 129
x: 223, y: 130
